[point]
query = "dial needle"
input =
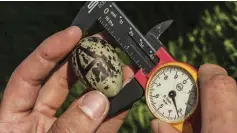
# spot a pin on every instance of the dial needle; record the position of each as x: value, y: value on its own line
x: 172, y: 95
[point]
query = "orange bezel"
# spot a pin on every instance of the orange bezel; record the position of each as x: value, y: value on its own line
x: 193, y: 74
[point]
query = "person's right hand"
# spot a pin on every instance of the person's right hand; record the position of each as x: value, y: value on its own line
x: 218, y: 100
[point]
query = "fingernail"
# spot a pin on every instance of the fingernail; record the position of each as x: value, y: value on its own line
x: 94, y: 104
x: 73, y: 30
x: 207, y: 71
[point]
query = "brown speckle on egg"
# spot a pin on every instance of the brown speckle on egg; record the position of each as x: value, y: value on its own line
x: 103, y: 42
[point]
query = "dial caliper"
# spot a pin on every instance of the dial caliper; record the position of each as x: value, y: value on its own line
x: 169, y: 86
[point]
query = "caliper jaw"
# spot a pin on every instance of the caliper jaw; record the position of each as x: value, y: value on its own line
x: 89, y: 14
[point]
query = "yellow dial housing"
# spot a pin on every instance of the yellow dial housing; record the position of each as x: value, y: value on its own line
x: 172, y: 93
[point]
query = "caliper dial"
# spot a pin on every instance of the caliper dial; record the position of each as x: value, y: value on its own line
x: 171, y: 94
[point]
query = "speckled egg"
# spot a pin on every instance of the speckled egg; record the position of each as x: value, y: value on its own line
x: 97, y: 65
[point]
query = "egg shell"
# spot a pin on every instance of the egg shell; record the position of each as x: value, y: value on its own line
x: 97, y: 65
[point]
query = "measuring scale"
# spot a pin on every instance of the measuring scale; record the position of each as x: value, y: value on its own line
x: 172, y: 93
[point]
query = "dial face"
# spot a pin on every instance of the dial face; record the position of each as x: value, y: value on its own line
x: 171, y: 94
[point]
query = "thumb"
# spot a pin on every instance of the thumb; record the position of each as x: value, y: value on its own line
x: 158, y: 126
x: 84, y: 115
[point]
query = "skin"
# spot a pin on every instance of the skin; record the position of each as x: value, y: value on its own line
x: 40, y: 84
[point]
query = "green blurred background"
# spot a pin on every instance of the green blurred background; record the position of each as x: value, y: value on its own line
x: 202, y: 32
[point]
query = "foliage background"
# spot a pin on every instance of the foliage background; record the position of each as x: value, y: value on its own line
x: 203, y: 32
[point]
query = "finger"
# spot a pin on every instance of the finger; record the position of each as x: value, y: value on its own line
x: 218, y: 95
x: 205, y: 75
x: 23, y: 87
x: 55, y: 90
x: 112, y: 125
x: 84, y: 115
x: 158, y: 126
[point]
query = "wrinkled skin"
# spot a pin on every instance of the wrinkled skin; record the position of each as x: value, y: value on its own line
x: 39, y: 86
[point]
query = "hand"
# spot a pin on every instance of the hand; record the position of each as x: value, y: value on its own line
x: 39, y: 86
x: 218, y: 100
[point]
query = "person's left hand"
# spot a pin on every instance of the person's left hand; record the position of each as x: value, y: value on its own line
x: 39, y: 86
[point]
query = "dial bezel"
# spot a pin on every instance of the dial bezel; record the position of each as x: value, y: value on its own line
x: 189, y: 71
